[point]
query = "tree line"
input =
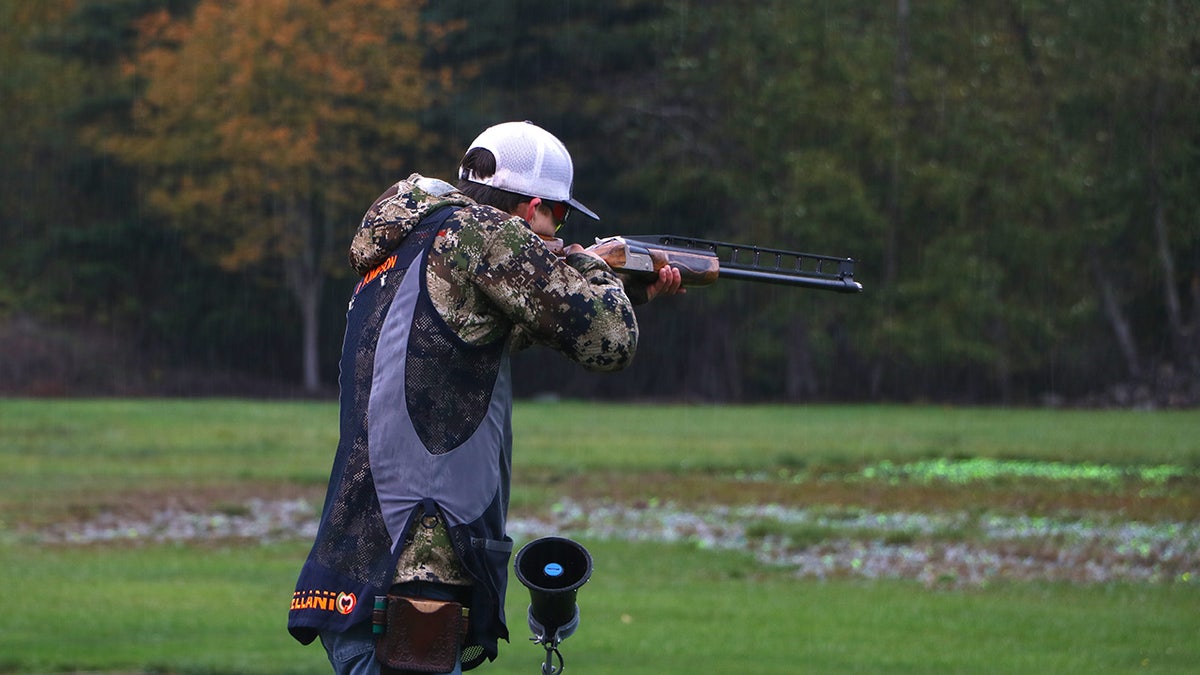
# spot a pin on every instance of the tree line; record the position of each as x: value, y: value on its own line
x: 1016, y: 181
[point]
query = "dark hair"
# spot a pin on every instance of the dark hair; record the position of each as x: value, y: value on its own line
x: 482, y: 162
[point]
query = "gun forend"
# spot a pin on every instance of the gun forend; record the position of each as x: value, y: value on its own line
x: 637, y: 258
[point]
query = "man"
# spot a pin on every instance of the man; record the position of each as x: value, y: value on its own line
x: 453, y: 279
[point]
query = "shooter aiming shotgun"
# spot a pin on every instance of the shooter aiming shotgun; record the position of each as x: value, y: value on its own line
x: 701, y: 262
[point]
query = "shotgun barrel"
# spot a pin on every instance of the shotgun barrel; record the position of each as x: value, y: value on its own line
x: 755, y: 263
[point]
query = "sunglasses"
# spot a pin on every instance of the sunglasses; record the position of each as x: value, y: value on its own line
x: 560, y: 210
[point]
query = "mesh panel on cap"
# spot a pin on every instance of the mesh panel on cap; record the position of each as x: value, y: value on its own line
x: 529, y: 161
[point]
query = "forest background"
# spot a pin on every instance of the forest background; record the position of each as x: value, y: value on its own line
x: 1017, y: 181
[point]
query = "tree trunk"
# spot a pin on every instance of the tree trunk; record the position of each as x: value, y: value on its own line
x: 1180, y: 347
x: 1193, y: 325
x: 1002, y: 363
x: 306, y: 282
x: 900, y: 101
x: 1122, y: 331
x: 891, y: 239
x: 716, y: 373
x: 310, y: 321
x: 801, y: 376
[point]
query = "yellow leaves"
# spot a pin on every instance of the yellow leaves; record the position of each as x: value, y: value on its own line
x: 155, y: 27
x: 245, y: 103
x: 293, y: 63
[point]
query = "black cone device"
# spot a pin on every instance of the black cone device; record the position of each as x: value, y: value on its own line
x: 553, y: 569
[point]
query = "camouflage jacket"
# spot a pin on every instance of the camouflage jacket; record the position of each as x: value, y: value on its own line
x: 490, y: 276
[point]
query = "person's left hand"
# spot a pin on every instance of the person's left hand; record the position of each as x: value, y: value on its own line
x: 668, y: 283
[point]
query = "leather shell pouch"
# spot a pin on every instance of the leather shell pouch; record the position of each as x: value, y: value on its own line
x: 422, y: 636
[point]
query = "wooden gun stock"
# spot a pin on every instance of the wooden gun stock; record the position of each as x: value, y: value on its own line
x: 701, y: 262
x: 641, y: 260
x: 638, y: 260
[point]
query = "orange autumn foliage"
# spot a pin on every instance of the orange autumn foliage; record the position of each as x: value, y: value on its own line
x: 262, y: 127
x: 258, y: 120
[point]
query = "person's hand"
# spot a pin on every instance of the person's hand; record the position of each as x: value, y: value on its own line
x: 668, y: 283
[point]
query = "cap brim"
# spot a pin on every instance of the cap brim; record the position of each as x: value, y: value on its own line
x: 583, y: 209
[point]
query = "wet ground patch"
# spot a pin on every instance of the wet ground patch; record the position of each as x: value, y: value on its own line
x: 940, y: 522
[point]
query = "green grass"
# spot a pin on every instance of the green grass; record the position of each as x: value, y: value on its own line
x: 55, y: 441
x: 649, y: 607
x: 82, y: 454
x: 151, y: 608
x: 673, y: 437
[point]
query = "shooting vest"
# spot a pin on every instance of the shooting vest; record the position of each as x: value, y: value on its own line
x: 425, y: 422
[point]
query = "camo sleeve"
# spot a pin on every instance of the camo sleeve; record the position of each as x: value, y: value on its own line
x: 489, y: 275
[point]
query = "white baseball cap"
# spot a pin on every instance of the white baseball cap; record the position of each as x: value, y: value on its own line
x: 530, y: 161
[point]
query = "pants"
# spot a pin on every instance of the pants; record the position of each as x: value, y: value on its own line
x: 353, y: 652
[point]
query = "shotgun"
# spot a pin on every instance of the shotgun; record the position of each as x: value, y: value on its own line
x: 701, y: 262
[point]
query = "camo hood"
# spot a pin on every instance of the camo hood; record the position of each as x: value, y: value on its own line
x: 395, y: 213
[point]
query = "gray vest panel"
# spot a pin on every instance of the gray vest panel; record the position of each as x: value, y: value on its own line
x: 463, y: 481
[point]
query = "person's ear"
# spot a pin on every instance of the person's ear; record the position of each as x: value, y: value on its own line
x: 531, y: 208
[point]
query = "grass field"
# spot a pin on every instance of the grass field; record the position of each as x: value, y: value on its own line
x: 764, y: 539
